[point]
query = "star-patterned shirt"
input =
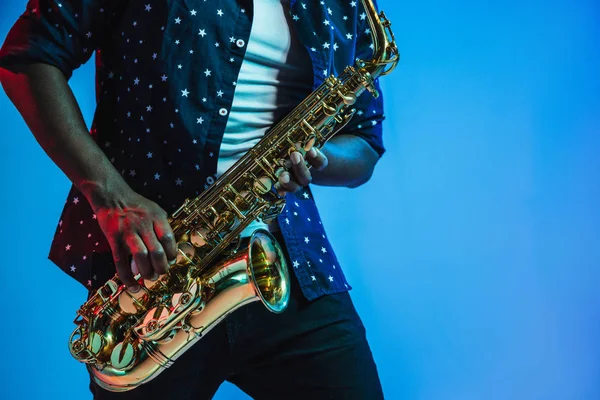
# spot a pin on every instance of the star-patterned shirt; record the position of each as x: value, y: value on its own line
x: 166, y: 75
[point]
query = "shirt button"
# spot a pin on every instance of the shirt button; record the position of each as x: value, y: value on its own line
x: 240, y: 43
x: 223, y: 112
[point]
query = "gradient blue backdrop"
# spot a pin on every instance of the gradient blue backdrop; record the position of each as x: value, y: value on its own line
x: 475, y: 262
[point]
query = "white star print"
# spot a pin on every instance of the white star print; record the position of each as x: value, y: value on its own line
x: 75, y: 200
x: 140, y: 127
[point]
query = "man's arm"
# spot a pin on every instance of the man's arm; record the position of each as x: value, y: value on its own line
x: 132, y: 224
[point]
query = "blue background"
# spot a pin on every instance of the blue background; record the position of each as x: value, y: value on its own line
x: 475, y: 258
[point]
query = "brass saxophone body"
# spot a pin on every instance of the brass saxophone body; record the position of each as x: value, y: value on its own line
x: 127, y: 339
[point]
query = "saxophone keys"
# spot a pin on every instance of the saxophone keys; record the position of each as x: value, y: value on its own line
x: 96, y: 342
x: 123, y: 356
x: 309, y: 143
x: 199, y: 236
x: 185, y: 253
x: 263, y: 184
x: 133, y: 303
x: 225, y: 221
x: 181, y: 300
x: 155, y: 320
x: 244, y: 201
x: 348, y: 99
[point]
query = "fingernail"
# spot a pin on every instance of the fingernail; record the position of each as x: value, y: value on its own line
x: 172, y: 262
x: 312, y: 153
x: 296, y: 157
x: 285, y: 178
x: 134, y: 289
x: 154, y: 277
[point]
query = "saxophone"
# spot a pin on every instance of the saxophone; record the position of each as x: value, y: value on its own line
x: 127, y: 339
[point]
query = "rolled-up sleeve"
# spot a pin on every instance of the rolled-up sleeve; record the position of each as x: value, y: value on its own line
x: 62, y: 33
x: 367, y: 122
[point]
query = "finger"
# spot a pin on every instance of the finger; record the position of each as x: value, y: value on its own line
x: 140, y: 255
x: 317, y: 159
x: 156, y: 254
x: 299, y: 169
x: 286, y: 184
x: 121, y: 259
x: 165, y: 235
x: 134, y: 268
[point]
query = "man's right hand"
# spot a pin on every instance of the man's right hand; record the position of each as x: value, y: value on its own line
x: 138, y: 227
x: 132, y: 224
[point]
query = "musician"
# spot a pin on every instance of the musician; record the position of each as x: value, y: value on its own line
x: 184, y: 89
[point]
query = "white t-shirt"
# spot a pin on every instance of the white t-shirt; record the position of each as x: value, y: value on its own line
x: 276, y: 75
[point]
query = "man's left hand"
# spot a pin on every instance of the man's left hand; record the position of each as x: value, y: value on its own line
x: 298, y: 175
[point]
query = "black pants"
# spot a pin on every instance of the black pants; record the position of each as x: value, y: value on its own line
x: 314, y: 350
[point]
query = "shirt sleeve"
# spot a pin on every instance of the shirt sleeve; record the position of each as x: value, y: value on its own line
x: 366, y: 123
x: 62, y: 33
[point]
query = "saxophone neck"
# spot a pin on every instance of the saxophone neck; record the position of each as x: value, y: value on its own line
x: 385, y: 51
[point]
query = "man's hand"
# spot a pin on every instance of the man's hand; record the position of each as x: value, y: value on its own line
x: 345, y: 160
x: 298, y: 173
x: 139, y: 227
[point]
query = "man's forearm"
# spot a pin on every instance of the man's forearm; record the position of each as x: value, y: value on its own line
x: 351, y: 162
x: 43, y: 97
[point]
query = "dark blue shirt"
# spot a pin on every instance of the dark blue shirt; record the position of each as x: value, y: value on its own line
x: 166, y: 73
